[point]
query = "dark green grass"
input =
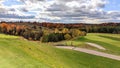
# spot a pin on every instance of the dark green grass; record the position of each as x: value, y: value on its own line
x: 110, y: 37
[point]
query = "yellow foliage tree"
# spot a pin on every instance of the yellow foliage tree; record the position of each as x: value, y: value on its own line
x: 56, y: 30
x: 65, y: 30
x: 67, y: 37
x: 75, y: 32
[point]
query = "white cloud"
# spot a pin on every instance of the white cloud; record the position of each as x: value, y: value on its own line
x: 88, y: 11
x: 73, y: 4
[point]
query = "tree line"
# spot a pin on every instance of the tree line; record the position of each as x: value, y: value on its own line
x: 110, y: 27
x: 40, y: 33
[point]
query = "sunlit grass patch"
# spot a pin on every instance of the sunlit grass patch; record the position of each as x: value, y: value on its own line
x: 8, y: 36
x: 17, y: 53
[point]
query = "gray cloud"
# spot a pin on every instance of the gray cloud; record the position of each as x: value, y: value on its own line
x: 57, y: 7
x: 61, y: 11
x: 69, y: 9
x: 23, y: 9
x: 15, y: 16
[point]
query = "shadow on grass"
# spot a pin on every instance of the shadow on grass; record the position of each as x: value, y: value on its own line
x: 113, y: 38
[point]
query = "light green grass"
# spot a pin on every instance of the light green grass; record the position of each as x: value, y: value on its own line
x: 109, y: 41
x: 18, y: 53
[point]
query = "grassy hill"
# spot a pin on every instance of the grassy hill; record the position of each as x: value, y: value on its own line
x: 109, y: 41
x: 16, y: 52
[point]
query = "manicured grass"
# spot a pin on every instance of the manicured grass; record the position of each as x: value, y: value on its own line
x: 19, y: 53
x: 109, y: 41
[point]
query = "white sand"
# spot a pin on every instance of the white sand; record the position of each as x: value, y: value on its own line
x: 96, y: 45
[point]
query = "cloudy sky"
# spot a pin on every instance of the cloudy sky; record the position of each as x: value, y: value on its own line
x: 64, y: 11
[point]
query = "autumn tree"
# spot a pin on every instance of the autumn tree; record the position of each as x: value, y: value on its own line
x: 56, y: 30
x: 65, y: 30
x: 75, y: 32
x: 67, y: 36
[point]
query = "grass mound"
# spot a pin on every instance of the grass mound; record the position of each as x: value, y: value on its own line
x: 17, y: 53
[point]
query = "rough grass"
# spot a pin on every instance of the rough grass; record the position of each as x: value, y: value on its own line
x: 18, y: 53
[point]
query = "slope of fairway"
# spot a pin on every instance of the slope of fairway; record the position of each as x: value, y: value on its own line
x: 109, y: 41
x: 19, y: 53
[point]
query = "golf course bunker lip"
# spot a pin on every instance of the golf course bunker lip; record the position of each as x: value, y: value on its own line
x: 95, y: 45
x: 92, y: 52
